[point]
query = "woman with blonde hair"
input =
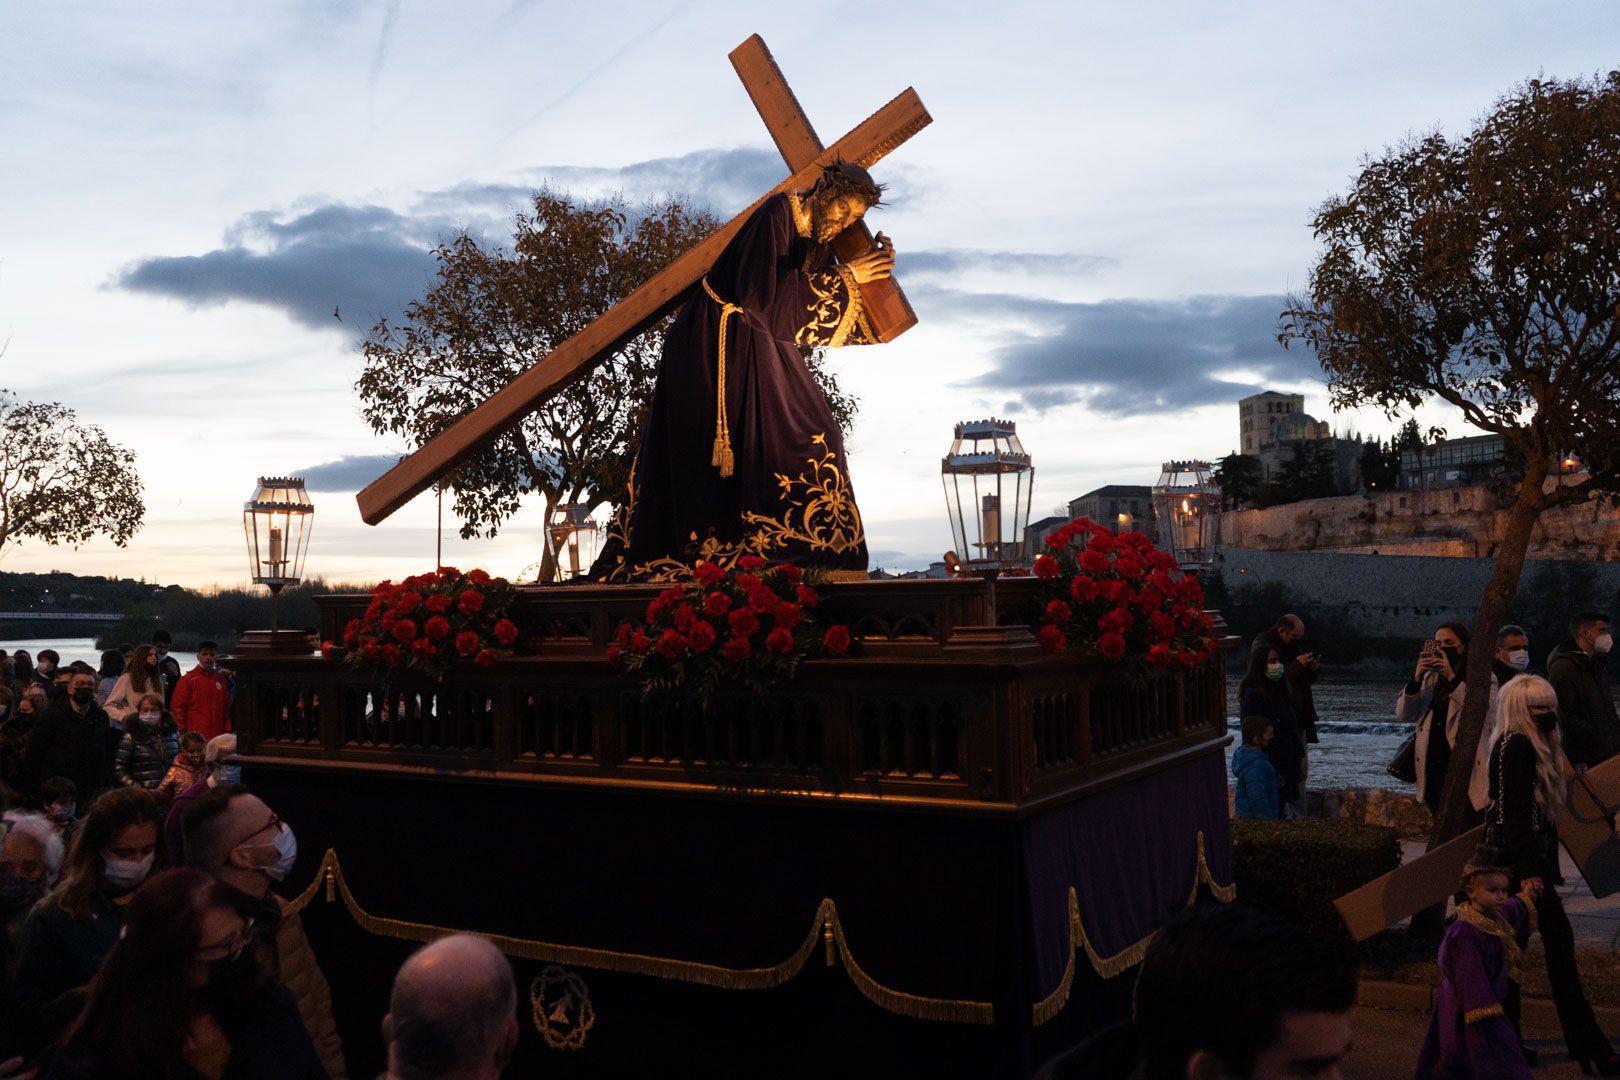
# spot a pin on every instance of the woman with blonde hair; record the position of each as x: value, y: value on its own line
x: 1529, y: 788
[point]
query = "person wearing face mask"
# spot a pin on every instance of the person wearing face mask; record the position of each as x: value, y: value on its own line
x: 1578, y: 671
x: 31, y: 855
x: 1433, y: 700
x: 218, y: 769
x: 59, y: 799
x: 1529, y: 788
x: 45, y: 669
x: 140, y: 678
x: 68, y: 933
x: 73, y: 739
x: 1512, y: 654
x: 183, y: 995
x: 1264, y: 692
x: 233, y: 835
x: 14, y: 727
x: 202, y: 701
x: 147, y: 748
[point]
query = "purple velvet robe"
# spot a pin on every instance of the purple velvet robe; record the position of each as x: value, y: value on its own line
x: 789, y: 497
x: 1470, y: 1034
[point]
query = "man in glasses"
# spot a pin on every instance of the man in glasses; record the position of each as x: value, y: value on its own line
x: 234, y: 836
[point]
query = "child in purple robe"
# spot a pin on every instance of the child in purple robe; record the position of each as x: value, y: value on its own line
x: 1471, y: 1031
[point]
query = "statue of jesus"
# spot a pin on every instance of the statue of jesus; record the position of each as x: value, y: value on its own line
x: 740, y: 453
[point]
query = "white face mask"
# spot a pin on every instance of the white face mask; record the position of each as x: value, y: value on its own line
x: 150, y: 719
x: 286, y: 845
x: 45, y: 667
x: 1518, y: 659
x: 1603, y: 644
x: 128, y: 873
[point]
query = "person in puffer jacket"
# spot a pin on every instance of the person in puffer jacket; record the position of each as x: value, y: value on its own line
x: 1254, y: 777
x: 148, y: 747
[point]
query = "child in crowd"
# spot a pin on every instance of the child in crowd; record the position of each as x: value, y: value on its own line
x: 1473, y: 1028
x: 1254, y: 777
x: 187, y: 767
x: 149, y: 746
x: 59, y: 798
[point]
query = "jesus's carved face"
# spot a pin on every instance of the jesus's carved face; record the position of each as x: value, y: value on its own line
x: 829, y: 217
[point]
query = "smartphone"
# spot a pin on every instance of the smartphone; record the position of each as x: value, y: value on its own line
x: 1430, y: 648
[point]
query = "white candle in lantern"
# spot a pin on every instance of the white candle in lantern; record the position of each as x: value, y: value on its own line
x: 275, y: 546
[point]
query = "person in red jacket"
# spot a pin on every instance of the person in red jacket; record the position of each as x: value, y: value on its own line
x: 202, y: 701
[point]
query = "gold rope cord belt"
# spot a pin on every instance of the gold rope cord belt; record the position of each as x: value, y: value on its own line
x: 826, y: 928
x: 722, y: 457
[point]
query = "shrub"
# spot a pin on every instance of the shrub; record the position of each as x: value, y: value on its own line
x: 1298, y: 868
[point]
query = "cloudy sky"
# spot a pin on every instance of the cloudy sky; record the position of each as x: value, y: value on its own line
x: 1096, y: 231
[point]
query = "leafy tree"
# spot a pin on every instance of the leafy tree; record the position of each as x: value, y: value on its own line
x: 1239, y: 476
x: 61, y: 481
x: 1380, y: 465
x: 1309, y: 472
x: 493, y: 313
x: 1482, y: 271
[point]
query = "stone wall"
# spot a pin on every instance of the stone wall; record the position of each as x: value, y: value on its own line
x: 1456, y: 522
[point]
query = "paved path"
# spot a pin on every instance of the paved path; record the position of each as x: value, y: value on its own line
x: 1596, y: 922
x: 1387, y: 1041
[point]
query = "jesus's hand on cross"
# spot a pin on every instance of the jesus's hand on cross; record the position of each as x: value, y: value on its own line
x: 875, y: 265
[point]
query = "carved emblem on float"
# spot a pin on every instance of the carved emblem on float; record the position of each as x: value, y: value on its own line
x: 561, y: 1003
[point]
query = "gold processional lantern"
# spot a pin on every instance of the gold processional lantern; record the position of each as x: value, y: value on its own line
x: 1187, y: 504
x: 277, y: 522
x: 574, y: 537
x: 989, y: 485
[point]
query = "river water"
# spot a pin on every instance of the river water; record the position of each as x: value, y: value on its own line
x: 1356, y: 723
x: 71, y: 649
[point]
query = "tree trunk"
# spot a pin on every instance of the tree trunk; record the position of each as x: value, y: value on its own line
x: 1493, y: 609
x: 548, y: 552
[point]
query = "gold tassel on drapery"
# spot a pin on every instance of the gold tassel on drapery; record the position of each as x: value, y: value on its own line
x: 722, y: 457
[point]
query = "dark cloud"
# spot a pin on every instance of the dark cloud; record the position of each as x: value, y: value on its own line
x: 1135, y: 356
x: 945, y: 261
x: 349, y: 473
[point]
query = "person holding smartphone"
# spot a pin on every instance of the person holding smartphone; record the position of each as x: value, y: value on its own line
x: 1433, y: 699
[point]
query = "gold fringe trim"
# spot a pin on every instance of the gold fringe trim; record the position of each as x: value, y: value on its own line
x: 853, y: 310
x: 1110, y: 966
x: 826, y: 930
x: 1474, y: 1016
x: 721, y: 457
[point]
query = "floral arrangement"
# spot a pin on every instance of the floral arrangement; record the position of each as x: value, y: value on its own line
x: 749, y: 625
x: 427, y: 622
x: 1120, y: 598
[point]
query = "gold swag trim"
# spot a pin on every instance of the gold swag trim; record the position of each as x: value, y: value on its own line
x: 1474, y: 1016
x: 1131, y: 955
x: 827, y: 929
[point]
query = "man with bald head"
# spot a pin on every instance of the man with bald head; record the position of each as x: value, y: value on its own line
x: 453, y: 1013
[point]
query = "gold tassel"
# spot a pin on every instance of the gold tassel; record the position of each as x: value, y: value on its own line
x: 721, y: 457
x: 331, y: 884
x: 827, y: 941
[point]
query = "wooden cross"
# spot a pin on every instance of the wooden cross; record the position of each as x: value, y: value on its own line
x: 888, y: 313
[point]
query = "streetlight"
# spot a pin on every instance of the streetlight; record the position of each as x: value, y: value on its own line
x: 277, y: 522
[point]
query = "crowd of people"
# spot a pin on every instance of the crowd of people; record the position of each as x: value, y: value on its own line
x: 143, y: 936
x: 1540, y: 733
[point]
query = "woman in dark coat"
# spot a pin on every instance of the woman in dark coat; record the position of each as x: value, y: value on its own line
x: 1529, y: 787
x: 182, y: 995
x: 1263, y: 693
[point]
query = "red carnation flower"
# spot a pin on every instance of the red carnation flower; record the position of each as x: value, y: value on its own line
x: 351, y: 632
x: 615, y: 655
x: 761, y: 599
x: 1084, y: 589
x: 437, y: 627
x: 747, y: 582
x: 1111, y: 646
x: 1159, y: 654
x: 477, y: 577
x: 439, y: 602
x: 671, y: 644
x: 1093, y: 562
x: 390, y: 655
x: 639, y: 641
x: 506, y: 631
x: 1046, y: 566
x: 779, y: 640
x: 471, y: 602
x: 737, y: 649
x: 1162, y: 625
x: 466, y: 643
x: 702, y: 636
x: 1126, y: 564
x: 407, y: 602
x: 376, y: 606
x: 750, y: 562
x: 405, y: 630
x: 787, y: 614
x: 370, y: 651
x: 717, y: 603
x: 684, y: 617
x: 1082, y: 523
x: 326, y: 650
x: 1051, y: 639
x: 1057, y: 612
x: 1116, y: 621
x: 485, y: 658
x: 622, y: 634
x: 807, y: 596
x: 790, y: 572
x: 707, y: 573
x: 836, y: 640
x: 743, y: 622
x: 423, y: 648
x: 1059, y: 538
x: 1102, y: 542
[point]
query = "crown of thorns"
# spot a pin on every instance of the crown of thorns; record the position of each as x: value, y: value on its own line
x: 847, y: 178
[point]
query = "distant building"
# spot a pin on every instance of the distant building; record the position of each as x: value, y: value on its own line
x: 1270, y: 423
x: 1451, y: 463
x: 1122, y: 507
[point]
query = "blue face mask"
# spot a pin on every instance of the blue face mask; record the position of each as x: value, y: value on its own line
x: 230, y: 774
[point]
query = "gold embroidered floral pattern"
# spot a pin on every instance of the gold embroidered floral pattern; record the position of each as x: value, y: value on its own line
x: 834, y: 312
x: 821, y: 512
x: 711, y: 549
x: 801, y: 214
